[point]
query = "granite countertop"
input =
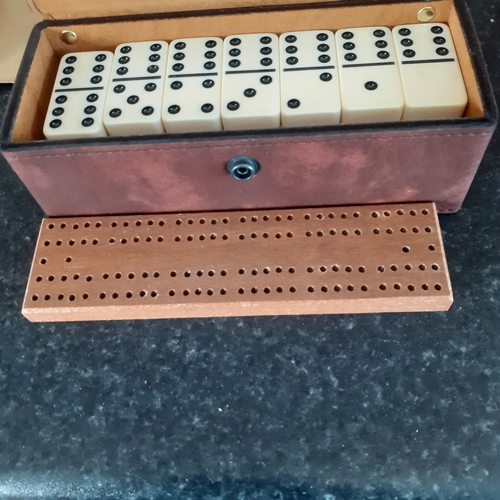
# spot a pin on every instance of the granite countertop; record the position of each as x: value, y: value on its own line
x: 348, y: 407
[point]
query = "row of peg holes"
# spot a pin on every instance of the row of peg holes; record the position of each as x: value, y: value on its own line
x: 241, y: 271
x: 213, y: 236
x: 225, y: 220
x: 241, y: 291
x: 102, y: 295
x: 414, y: 229
x: 332, y: 232
x: 267, y: 270
x: 105, y: 276
x: 99, y: 224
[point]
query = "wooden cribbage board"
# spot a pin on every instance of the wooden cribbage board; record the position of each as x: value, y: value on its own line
x: 362, y: 259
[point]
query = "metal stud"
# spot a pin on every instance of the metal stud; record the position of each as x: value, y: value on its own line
x: 68, y: 37
x: 426, y: 14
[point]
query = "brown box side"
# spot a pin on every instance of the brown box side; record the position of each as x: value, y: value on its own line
x: 302, y: 170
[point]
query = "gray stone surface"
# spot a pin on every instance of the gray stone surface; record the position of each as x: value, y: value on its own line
x: 382, y: 407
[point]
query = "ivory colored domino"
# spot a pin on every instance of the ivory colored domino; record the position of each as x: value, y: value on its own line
x: 77, y: 100
x: 191, y: 100
x: 250, y: 84
x: 369, y: 76
x: 309, y: 81
x: 135, y: 93
x: 432, y: 80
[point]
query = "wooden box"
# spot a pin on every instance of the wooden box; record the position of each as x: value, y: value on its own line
x: 314, y: 166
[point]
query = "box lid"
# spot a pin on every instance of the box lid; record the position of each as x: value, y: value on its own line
x: 16, y: 23
x: 75, y: 9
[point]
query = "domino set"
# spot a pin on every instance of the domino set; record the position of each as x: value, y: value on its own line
x: 357, y: 118
x: 256, y: 81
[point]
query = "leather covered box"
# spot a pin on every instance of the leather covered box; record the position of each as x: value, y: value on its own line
x: 315, y: 166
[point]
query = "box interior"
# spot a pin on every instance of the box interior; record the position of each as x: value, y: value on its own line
x: 106, y: 34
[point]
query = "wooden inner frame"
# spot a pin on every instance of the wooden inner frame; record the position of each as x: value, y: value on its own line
x: 107, y: 34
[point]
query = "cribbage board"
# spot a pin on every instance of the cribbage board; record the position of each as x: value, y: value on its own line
x: 383, y: 258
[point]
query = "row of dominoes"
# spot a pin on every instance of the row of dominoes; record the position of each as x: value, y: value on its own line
x: 252, y: 81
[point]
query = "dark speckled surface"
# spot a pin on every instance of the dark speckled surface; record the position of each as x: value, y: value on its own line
x: 372, y: 407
